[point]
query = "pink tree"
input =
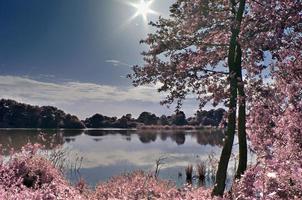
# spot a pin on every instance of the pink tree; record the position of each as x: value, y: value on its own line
x: 274, y: 123
x: 275, y: 130
x: 206, y: 47
x: 196, y: 51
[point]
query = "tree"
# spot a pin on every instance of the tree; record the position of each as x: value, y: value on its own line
x: 273, y: 28
x: 163, y: 120
x: 96, y: 121
x: 179, y: 118
x: 147, y: 118
x: 196, y: 51
x: 267, y: 28
x: 19, y: 115
x: 206, y: 46
x: 275, y: 130
x: 128, y: 116
x: 211, y: 117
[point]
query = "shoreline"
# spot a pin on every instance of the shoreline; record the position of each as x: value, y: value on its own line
x: 144, y: 127
x: 168, y: 127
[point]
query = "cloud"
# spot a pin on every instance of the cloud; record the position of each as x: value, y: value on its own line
x: 26, y: 89
x: 86, y: 99
x: 118, y: 63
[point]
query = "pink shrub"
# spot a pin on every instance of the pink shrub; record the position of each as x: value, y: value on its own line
x: 141, y: 186
x: 28, y: 176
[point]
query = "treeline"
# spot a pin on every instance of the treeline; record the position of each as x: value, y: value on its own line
x: 201, y: 118
x: 19, y: 115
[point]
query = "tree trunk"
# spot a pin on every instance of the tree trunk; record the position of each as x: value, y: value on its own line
x: 231, y: 128
x: 229, y: 139
x: 241, y: 118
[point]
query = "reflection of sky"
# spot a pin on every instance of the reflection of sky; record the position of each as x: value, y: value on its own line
x: 110, y: 153
x: 112, y: 149
x: 103, y: 173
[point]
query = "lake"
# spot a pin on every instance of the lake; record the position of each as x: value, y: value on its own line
x: 110, y: 152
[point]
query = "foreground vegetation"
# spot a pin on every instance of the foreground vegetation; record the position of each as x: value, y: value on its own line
x: 30, y: 174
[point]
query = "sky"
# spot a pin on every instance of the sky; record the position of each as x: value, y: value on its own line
x: 75, y: 54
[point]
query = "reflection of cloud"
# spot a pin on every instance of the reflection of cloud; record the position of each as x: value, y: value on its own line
x: 29, y: 90
x: 118, y: 63
x: 113, y: 149
x: 141, y: 158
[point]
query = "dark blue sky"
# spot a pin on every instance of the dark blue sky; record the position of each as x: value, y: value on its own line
x: 84, y: 46
x: 71, y: 39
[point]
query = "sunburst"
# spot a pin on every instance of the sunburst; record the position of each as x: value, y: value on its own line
x: 143, y: 9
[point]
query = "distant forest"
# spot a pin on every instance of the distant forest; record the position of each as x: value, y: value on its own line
x: 19, y: 115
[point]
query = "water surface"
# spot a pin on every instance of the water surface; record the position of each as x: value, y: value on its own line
x: 108, y: 153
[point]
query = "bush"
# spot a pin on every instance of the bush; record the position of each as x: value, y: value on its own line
x: 26, y: 175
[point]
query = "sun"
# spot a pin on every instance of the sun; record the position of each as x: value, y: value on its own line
x: 143, y: 9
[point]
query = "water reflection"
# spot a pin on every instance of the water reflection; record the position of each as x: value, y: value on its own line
x: 211, y: 137
x: 15, y: 139
x: 111, y: 152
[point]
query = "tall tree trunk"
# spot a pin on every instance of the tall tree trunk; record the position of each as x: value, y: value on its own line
x: 231, y: 128
x: 228, y: 141
x: 241, y: 117
x: 221, y: 174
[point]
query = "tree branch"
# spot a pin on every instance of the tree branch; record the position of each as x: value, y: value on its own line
x: 213, y: 71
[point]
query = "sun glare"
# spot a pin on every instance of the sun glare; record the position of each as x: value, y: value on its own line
x: 143, y: 9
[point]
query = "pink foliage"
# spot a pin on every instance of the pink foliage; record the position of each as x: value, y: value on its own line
x: 275, y: 105
x: 28, y: 176
x: 138, y: 185
x: 275, y: 130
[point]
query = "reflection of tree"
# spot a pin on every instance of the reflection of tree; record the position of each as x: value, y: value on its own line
x: 96, y: 132
x: 128, y: 137
x: 179, y: 137
x: 164, y: 136
x: 147, y: 137
x: 203, y: 137
x: 103, y: 132
x: 16, y: 139
x: 71, y: 133
x: 97, y: 139
x: 212, y: 137
x: 68, y: 140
